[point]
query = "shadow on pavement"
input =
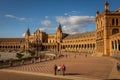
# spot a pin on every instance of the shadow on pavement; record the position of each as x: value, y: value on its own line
x: 72, y: 74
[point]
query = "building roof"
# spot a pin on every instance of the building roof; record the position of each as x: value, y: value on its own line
x: 12, y: 39
x: 80, y: 35
x: 28, y: 32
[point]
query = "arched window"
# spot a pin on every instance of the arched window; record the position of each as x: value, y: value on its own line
x: 112, y: 45
x: 82, y: 45
x: 85, y: 45
x: 97, y: 25
x: 113, y: 22
x: 116, y: 22
x: 88, y: 45
x: 115, y: 45
x: 101, y: 23
x: 79, y: 46
x: 74, y: 46
x: 16, y: 46
x: 114, y: 31
x: 53, y: 46
x: 119, y: 45
x: 93, y: 45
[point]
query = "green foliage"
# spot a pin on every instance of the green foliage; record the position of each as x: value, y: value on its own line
x: 19, y: 56
x: 32, y: 53
x: 26, y: 58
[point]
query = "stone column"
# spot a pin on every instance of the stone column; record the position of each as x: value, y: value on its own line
x: 117, y: 45
x: 114, y: 45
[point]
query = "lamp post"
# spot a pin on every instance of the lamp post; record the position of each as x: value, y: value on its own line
x: 37, y: 44
x: 37, y: 48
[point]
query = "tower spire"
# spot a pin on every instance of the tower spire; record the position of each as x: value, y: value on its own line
x: 97, y: 13
x: 59, y: 28
x: 28, y: 32
x: 106, y: 6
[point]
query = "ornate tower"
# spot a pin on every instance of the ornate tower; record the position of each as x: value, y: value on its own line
x: 106, y: 26
x: 27, y: 39
x: 106, y: 6
x: 59, y: 33
x: 99, y: 33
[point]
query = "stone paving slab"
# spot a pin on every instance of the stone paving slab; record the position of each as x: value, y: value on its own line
x: 49, y: 75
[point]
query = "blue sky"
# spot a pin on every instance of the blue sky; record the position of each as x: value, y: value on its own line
x: 75, y: 15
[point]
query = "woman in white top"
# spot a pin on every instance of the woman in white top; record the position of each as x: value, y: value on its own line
x: 59, y: 69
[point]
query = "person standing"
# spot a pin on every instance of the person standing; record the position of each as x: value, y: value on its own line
x: 63, y: 69
x: 59, y: 69
x: 55, y: 69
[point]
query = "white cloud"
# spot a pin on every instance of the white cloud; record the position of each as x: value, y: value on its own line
x: 65, y: 14
x: 75, y: 12
x: 10, y: 16
x: 46, y: 22
x: 75, y: 24
x: 43, y: 29
x: 72, y: 13
x: 46, y: 17
x: 46, y: 29
x: 23, y: 35
x: 23, y: 19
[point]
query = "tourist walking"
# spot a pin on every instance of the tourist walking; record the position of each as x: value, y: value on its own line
x: 55, y: 69
x: 63, y: 69
x: 59, y: 69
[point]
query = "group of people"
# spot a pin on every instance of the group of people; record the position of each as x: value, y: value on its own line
x: 59, y: 69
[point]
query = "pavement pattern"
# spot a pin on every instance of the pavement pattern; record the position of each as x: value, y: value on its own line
x: 78, y: 67
x: 22, y: 76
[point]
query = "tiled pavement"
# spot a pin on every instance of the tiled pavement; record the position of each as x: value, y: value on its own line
x: 78, y: 66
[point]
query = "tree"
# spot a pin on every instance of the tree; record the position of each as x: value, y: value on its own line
x: 32, y: 53
x: 19, y: 56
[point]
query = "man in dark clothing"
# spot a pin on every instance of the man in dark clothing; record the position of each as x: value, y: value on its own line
x: 55, y: 69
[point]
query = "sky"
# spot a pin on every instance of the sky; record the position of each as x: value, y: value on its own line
x: 75, y: 16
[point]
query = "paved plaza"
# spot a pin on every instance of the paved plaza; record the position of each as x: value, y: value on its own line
x: 21, y: 76
x: 77, y: 67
